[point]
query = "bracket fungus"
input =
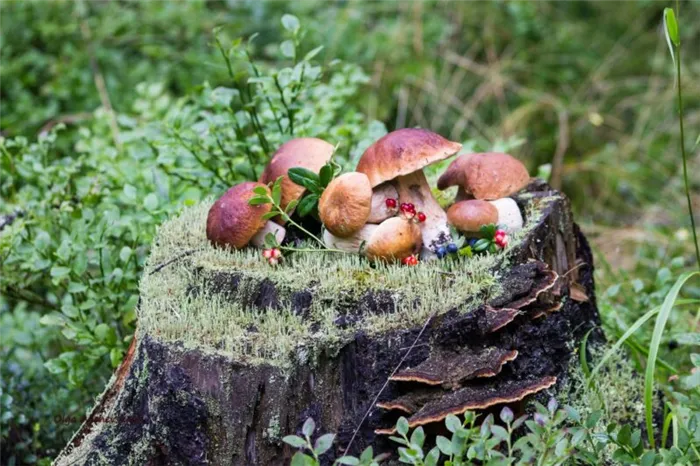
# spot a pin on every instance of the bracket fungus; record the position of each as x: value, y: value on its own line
x: 400, y: 157
x: 345, y: 204
x: 309, y: 153
x: 232, y: 221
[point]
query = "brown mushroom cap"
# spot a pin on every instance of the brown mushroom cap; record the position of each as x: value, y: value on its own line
x: 488, y: 176
x: 345, y: 204
x: 232, y: 221
x: 309, y: 153
x: 393, y: 239
x: 402, y: 152
x: 469, y: 216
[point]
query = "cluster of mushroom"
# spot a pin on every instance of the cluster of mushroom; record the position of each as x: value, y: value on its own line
x: 359, y: 207
x: 385, y: 208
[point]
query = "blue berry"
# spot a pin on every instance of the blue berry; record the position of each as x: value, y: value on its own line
x: 452, y: 248
x: 441, y: 252
x: 472, y: 242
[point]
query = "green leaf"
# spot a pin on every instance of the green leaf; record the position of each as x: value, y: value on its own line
x: 295, y: 441
x: 453, y: 423
x: 129, y: 192
x: 309, y: 427
x: 300, y: 459
x: 307, y: 205
x: 52, y: 319
x: 75, y: 287
x: 418, y: 437
x: 272, y: 214
x: 287, y: 48
x: 291, y: 206
x: 659, y: 328
x: 367, y: 455
x: 59, y: 271
x: 444, y: 444
x: 305, y: 177
x: 258, y: 200
x: 313, y: 53
x: 325, y: 175
x: 648, y: 459
x: 70, y: 311
x: 348, y: 460
x: 499, y: 432
x: 151, y: 202
x: 465, y: 252
x: 323, y: 443
x: 481, y: 245
x: 402, y: 426
x: 260, y: 191
x: 432, y: 458
x: 125, y: 253
x: 290, y: 23
x: 102, y: 332
x: 671, y: 26
x: 277, y: 193
x: 271, y: 241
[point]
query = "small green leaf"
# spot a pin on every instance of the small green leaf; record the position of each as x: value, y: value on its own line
x: 481, y: 245
x: 305, y: 177
x: 271, y: 241
x: 115, y: 356
x: 260, y: 191
x: 277, y: 193
x: 323, y: 443
x: 348, y: 460
x: 295, y: 441
x: 258, y: 200
x: 151, y: 202
x: 418, y: 437
x: 671, y: 26
x: 125, y: 253
x: 129, y: 192
x: 75, y: 287
x: 453, y: 423
x: 59, y: 272
x: 300, y: 459
x: 402, y: 426
x: 313, y: 53
x: 444, y: 444
x: 287, y: 48
x: 102, y: 332
x: 52, y: 319
x: 269, y: 215
x: 290, y: 23
x: 325, y: 175
x: 309, y: 427
x: 70, y: 311
x: 291, y: 206
x: 307, y: 205
x: 367, y: 455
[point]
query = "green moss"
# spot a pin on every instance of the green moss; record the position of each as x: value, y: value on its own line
x: 180, y: 303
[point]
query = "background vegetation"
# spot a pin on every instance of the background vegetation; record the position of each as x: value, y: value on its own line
x: 116, y: 114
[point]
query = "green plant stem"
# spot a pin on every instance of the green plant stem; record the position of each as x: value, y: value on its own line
x: 684, y: 156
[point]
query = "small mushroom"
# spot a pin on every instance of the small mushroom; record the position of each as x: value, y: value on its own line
x: 509, y: 216
x: 232, y: 221
x: 487, y: 176
x: 345, y: 204
x: 469, y: 216
x: 278, y: 231
x: 309, y: 153
x: 380, y: 210
x: 400, y: 157
x: 394, y: 239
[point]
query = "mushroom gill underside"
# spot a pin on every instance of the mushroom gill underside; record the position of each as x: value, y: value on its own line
x: 454, y: 380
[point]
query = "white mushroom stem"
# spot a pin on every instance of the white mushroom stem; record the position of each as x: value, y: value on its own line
x: 509, y: 216
x: 380, y: 211
x: 414, y: 188
x: 270, y: 227
x: 351, y: 243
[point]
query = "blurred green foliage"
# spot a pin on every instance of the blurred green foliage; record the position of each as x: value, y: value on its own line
x: 115, y: 114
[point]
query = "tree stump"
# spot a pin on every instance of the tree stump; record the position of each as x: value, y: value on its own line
x: 203, y: 382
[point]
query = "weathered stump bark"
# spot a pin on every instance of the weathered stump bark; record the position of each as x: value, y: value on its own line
x: 168, y: 404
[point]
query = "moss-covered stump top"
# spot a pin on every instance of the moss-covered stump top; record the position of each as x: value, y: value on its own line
x: 234, y: 303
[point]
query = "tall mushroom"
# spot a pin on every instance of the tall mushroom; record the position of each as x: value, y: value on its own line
x: 400, y: 157
x: 486, y: 176
x: 392, y: 240
x: 233, y: 222
x: 309, y: 153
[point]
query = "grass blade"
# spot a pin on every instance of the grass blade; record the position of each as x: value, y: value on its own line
x: 661, y: 320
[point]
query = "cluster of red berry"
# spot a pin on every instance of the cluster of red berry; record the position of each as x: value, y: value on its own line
x: 501, y: 239
x: 273, y: 255
x: 408, y: 210
x: 410, y: 260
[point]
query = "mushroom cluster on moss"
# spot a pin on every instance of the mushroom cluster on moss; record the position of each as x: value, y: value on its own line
x: 385, y: 209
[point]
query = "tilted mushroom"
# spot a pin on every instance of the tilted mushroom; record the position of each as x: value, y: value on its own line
x: 309, y: 153
x: 380, y: 210
x: 487, y: 176
x: 400, y: 157
x: 469, y: 216
x: 345, y: 204
x: 509, y: 216
x: 392, y: 240
x: 233, y: 222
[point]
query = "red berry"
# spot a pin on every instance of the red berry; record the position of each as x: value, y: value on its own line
x: 421, y: 217
x: 391, y: 203
x: 267, y: 253
x: 410, y: 260
x: 407, y: 207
